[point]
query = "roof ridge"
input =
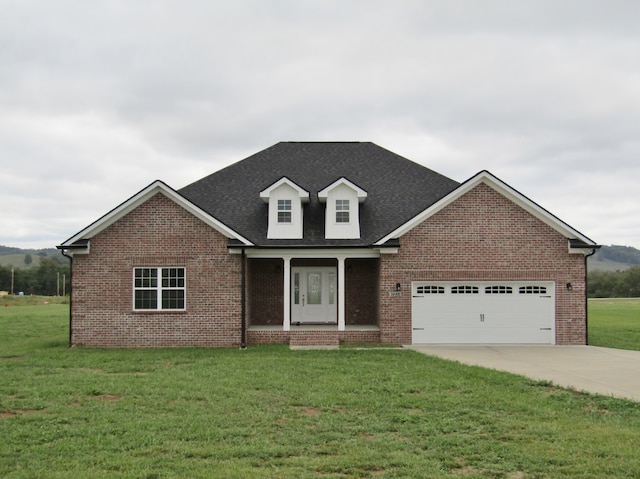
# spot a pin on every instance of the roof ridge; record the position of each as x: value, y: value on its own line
x: 321, y: 142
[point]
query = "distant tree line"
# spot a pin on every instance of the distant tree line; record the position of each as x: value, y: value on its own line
x: 50, y: 278
x: 614, y: 284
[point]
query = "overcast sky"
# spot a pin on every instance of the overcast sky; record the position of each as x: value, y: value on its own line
x: 100, y: 98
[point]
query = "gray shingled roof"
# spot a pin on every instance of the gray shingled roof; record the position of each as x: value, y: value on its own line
x: 397, y: 189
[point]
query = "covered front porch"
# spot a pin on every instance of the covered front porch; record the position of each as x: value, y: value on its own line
x: 312, y: 296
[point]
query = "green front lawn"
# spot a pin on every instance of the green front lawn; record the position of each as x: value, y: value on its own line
x: 268, y: 412
x: 615, y: 323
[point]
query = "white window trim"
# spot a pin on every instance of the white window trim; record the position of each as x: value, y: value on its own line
x: 343, y: 210
x: 287, y: 207
x: 159, y: 289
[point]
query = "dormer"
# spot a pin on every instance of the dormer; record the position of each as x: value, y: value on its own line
x: 285, y: 200
x: 342, y: 216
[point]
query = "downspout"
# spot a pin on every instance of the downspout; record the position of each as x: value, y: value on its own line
x: 586, y: 296
x: 243, y: 309
x: 70, y: 294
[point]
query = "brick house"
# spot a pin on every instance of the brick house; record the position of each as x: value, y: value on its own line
x: 319, y: 243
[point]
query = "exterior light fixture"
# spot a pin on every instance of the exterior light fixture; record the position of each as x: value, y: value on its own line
x: 569, y: 287
x: 398, y: 287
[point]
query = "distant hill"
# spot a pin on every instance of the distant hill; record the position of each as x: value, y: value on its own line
x: 5, y: 250
x: 28, y: 258
x: 614, y: 258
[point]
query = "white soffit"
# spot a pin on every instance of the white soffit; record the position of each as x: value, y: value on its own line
x: 504, y: 189
x: 157, y: 187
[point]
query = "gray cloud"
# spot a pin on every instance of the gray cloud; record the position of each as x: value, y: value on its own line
x: 98, y: 99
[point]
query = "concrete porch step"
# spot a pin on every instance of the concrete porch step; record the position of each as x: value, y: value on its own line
x: 314, y: 339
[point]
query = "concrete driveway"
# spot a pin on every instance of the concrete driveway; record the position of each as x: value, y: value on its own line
x: 612, y: 372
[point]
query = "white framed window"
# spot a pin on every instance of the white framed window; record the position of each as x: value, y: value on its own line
x: 284, y: 211
x: 430, y: 289
x: 498, y: 290
x: 159, y: 289
x: 342, y: 211
x: 532, y: 290
x: 464, y: 290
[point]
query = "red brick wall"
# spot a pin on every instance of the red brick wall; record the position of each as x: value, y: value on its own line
x: 361, y: 291
x: 157, y: 233
x: 265, y: 292
x: 482, y: 236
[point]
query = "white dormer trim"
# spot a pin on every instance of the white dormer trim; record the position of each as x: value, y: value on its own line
x: 302, y: 193
x: 504, y: 189
x: 288, y: 224
x: 323, y: 194
x: 342, y: 216
x: 157, y: 187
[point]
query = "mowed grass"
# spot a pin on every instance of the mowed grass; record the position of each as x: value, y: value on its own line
x: 268, y: 412
x: 615, y: 323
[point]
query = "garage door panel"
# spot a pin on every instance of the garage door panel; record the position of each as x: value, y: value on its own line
x: 483, y: 312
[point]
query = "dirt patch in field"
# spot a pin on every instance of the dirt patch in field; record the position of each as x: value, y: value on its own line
x: 23, y: 412
x: 91, y: 370
x: 107, y: 397
x: 309, y: 411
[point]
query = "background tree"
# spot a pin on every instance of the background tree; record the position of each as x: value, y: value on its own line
x: 614, y: 284
x: 41, y: 280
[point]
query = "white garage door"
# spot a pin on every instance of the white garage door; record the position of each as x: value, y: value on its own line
x: 483, y: 312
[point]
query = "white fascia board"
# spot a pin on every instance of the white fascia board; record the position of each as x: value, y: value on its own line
x: 312, y: 253
x: 302, y: 193
x: 502, y: 188
x: 360, y: 193
x: 141, y: 197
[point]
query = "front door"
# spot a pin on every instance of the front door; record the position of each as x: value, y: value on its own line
x: 314, y: 295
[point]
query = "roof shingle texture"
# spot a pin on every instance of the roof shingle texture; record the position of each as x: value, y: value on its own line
x: 397, y: 189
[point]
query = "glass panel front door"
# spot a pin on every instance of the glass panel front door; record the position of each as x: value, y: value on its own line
x: 313, y: 292
x: 314, y: 288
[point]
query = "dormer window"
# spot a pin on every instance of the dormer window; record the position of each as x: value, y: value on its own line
x: 342, y: 211
x: 284, y: 211
x: 342, y: 218
x: 285, y: 200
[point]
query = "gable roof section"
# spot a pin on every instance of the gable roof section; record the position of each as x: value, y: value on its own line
x: 397, y: 189
x: 504, y: 189
x: 302, y: 194
x: 324, y: 193
x: 157, y: 187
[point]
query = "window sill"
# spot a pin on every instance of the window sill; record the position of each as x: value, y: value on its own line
x: 159, y: 311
